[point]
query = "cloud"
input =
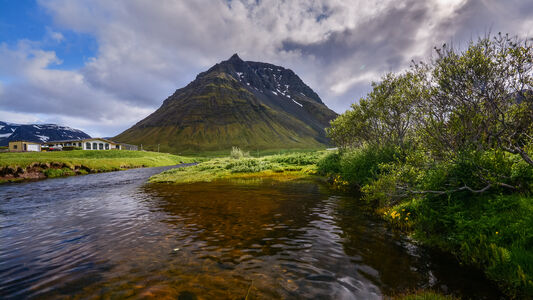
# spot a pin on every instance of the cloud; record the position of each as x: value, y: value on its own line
x: 54, y: 35
x: 146, y: 50
x: 34, y: 88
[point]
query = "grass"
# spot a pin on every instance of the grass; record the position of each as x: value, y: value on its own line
x: 77, y: 162
x: 424, y: 295
x: 207, y: 154
x: 491, y: 232
x: 282, y: 166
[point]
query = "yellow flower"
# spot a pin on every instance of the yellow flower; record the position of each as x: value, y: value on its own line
x: 496, y: 232
x: 406, y: 218
x: 403, y: 209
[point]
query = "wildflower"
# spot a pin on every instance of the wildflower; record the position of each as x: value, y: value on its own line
x: 496, y: 232
x: 406, y: 218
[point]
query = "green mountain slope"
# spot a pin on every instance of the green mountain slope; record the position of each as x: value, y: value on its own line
x: 235, y: 103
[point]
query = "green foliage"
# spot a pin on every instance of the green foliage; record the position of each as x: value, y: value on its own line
x: 489, y: 231
x: 424, y: 295
x: 288, y: 165
x: 330, y: 164
x: 237, y: 153
x: 298, y: 159
x: 385, y: 117
x: 445, y: 150
x: 103, y: 160
x: 358, y: 166
x: 51, y: 173
x: 250, y: 165
x: 70, y: 148
x: 363, y: 165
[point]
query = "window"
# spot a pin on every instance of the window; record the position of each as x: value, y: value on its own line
x: 95, y: 146
x: 101, y: 146
x: 79, y: 144
x: 107, y: 146
x: 88, y: 146
x: 15, y: 147
x: 25, y: 147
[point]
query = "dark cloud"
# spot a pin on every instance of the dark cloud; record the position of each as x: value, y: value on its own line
x: 383, y: 38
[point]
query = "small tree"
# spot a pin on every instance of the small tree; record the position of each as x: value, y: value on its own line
x: 479, y: 98
x: 385, y: 117
x: 237, y: 153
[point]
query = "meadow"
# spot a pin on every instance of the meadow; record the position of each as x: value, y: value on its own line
x: 13, y: 166
x: 240, y: 165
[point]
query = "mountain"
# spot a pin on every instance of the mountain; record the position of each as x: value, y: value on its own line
x: 38, y: 133
x: 248, y: 104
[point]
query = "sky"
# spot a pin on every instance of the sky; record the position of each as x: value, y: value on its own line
x: 101, y: 66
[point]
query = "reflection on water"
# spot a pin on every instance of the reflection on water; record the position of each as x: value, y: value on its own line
x: 109, y: 235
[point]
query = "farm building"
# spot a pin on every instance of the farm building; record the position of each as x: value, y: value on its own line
x: 90, y: 144
x: 24, y: 146
x: 85, y: 144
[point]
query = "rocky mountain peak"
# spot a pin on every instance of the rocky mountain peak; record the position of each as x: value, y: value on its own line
x: 235, y: 57
x: 237, y: 102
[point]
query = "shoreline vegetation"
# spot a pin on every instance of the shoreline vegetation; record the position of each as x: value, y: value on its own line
x: 39, y: 165
x: 240, y: 164
x: 444, y: 151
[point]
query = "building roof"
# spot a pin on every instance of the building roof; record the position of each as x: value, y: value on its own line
x: 80, y: 140
x: 24, y: 141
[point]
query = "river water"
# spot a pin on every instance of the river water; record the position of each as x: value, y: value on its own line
x: 111, y: 235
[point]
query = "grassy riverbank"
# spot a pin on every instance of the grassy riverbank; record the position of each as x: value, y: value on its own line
x: 27, y: 165
x: 490, y: 230
x: 282, y: 166
x: 445, y: 149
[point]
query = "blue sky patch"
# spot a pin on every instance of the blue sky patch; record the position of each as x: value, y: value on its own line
x: 26, y: 20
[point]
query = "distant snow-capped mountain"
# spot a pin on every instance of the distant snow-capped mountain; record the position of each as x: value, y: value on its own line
x: 39, y: 133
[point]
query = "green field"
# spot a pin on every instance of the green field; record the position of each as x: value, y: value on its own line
x: 252, y: 152
x: 239, y: 165
x: 63, y: 163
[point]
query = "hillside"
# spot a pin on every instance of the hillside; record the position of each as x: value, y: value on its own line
x: 236, y: 103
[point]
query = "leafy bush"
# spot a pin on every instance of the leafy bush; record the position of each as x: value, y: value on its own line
x: 51, y: 173
x: 492, y: 232
x: 237, y: 153
x: 70, y: 148
x: 250, y: 165
x: 298, y: 159
x: 361, y: 166
x: 330, y: 164
x: 452, y: 139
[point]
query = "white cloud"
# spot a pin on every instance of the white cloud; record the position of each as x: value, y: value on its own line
x: 57, y: 95
x: 54, y: 35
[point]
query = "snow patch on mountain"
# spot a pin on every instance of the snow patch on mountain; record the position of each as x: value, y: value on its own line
x: 297, y: 102
x: 43, y: 138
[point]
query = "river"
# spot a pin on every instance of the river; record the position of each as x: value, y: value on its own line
x: 111, y: 235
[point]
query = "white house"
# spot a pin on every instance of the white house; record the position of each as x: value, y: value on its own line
x: 85, y: 144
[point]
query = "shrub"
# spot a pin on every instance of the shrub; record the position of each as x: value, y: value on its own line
x: 237, y: 153
x: 330, y: 164
x: 298, y: 159
x: 70, y: 148
x: 51, y: 173
x: 361, y: 166
x: 250, y: 165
